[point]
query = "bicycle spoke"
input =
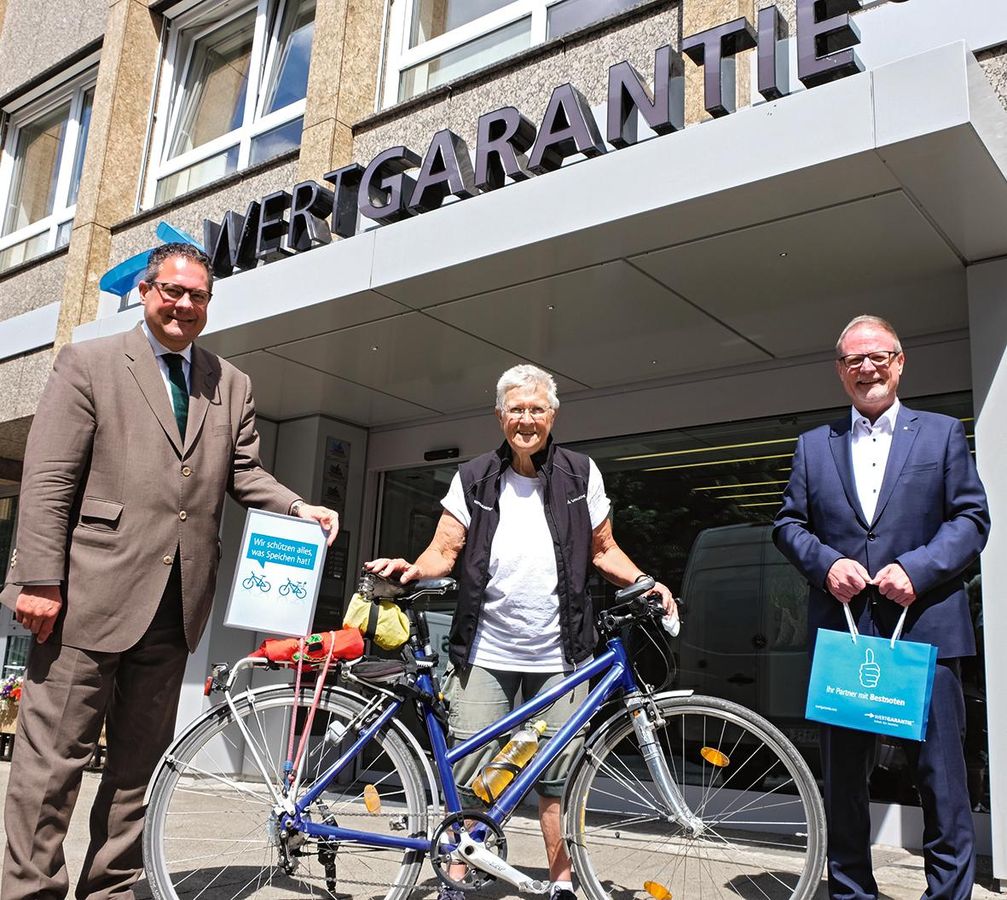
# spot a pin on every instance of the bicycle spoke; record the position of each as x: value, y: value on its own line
x: 216, y: 833
x: 760, y: 835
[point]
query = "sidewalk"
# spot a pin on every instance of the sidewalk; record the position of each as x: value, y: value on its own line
x: 899, y: 872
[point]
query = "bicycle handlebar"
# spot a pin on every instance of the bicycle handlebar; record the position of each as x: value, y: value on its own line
x: 635, y: 603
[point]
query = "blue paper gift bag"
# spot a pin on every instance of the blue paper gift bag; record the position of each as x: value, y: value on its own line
x: 870, y: 683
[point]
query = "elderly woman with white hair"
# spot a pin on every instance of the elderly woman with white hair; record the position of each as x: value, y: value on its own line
x: 527, y: 521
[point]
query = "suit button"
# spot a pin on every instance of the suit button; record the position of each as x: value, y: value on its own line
x: 167, y: 560
x: 871, y: 535
x: 186, y: 471
x: 183, y: 515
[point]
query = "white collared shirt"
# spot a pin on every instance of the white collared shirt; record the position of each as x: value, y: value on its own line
x: 159, y: 352
x: 869, y: 447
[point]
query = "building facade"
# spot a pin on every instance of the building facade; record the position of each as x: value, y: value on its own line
x: 673, y: 206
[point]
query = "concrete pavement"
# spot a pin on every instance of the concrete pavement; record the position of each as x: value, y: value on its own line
x: 899, y: 872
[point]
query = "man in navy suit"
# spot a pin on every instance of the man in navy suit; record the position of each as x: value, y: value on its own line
x: 884, y: 511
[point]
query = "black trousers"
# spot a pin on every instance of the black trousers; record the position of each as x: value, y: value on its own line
x: 939, y: 764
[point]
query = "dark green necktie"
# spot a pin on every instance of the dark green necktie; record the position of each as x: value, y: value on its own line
x: 179, y: 390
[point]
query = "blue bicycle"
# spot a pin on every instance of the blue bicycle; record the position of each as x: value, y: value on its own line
x: 692, y: 796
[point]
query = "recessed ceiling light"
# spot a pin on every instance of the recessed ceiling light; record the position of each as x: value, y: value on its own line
x: 783, y: 253
x: 551, y: 307
x: 375, y: 347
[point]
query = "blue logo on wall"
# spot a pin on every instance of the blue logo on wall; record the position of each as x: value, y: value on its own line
x: 121, y: 279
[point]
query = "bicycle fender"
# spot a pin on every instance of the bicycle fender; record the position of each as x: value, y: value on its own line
x: 222, y: 708
x: 604, y: 728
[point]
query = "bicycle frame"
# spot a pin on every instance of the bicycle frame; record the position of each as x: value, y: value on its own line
x: 613, y: 665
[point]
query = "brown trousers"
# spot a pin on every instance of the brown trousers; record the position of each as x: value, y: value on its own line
x: 68, y: 692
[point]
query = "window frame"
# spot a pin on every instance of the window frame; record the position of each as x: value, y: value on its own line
x: 400, y: 56
x: 182, y: 34
x: 72, y: 90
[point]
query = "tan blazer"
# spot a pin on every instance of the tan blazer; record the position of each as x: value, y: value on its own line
x: 109, y: 491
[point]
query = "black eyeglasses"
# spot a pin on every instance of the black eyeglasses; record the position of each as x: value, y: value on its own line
x: 175, y: 292
x: 880, y: 359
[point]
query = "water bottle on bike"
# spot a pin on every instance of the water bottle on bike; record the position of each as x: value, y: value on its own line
x: 514, y: 755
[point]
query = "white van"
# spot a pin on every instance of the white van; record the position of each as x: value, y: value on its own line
x: 746, y: 637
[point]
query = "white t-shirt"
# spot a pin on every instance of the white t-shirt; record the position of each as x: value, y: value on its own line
x: 519, y: 625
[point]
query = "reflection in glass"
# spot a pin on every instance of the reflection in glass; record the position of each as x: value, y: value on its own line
x: 278, y: 140
x: 490, y: 48
x: 25, y: 250
x: 569, y: 15
x: 435, y: 17
x: 63, y: 233
x: 213, y: 96
x: 78, y: 159
x: 196, y: 175
x: 37, y: 154
x: 289, y: 81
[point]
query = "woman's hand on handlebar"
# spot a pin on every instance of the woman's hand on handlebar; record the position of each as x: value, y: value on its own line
x: 667, y: 600
x: 387, y: 568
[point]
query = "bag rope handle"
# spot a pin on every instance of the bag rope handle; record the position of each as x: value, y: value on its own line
x: 854, y: 633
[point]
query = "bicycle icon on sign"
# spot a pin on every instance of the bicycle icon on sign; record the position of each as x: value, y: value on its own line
x: 294, y: 587
x: 254, y: 580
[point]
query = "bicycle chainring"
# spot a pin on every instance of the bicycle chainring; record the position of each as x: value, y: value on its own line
x: 446, y: 837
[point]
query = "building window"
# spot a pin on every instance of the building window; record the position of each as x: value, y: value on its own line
x: 232, y: 94
x: 433, y: 42
x: 43, y: 157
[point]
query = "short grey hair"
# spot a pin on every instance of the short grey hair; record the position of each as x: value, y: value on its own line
x: 526, y: 376
x: 160, y: 255
x: 877, y: 322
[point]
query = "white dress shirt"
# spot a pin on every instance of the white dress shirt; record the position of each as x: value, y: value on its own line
x: 159, y: 352
x: 870, y: 445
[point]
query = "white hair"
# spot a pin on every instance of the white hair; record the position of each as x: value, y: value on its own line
x: 877, y: 322
x: 526, y: 376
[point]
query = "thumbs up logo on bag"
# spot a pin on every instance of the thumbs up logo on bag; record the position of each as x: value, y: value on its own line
x: 870, y: 671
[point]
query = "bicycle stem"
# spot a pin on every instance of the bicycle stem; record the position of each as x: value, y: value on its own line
x: 657, y: 765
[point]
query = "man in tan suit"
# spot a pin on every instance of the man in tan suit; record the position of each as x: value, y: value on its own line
x: 135, y: 442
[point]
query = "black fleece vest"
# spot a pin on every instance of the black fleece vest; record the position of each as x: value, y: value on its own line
x: 564, y: 476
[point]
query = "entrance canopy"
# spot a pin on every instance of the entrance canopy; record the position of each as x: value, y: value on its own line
x: 743, y: 240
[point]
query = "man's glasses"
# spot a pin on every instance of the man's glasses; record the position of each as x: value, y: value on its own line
x: 519, y: 412
x: 175, y: 292
x: 880, y: 359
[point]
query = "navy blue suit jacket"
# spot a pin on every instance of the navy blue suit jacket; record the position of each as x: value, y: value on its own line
x: 931, y: 519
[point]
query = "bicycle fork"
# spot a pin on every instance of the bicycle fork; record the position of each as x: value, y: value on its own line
x: 640, y: 711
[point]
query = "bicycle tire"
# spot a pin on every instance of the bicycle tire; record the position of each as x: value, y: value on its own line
x: 210, y: 830
x: 248, y: 583
x: 284, y: 590
x: 620, y: 835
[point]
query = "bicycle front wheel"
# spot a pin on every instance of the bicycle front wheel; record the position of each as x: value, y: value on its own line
x: 211, y: 829
x: 763, y: 824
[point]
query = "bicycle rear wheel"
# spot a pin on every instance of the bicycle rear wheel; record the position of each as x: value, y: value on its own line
x: 211, y: 829
x: 763, y: 822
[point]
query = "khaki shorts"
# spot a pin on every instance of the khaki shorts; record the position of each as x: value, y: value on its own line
x: 481, y: 697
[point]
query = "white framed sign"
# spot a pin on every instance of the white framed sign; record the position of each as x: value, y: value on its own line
x: 278, y: 574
